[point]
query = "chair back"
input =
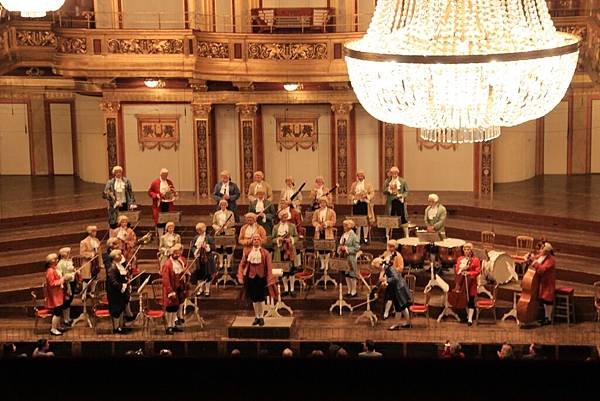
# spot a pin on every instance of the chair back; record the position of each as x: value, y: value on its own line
x: 487, y: 240
x: 411, y: 281
x: 34, y: 300
x: 363, y: 261
x: 524, y: 244
x: 100, y: 289
x: 157, y: 290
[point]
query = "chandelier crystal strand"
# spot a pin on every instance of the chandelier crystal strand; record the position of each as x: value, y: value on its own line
x: 32, y: 8
x: 460, y: 69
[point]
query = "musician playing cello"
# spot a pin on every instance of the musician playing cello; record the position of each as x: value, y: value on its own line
x: 545, y: 266
x: 119, y: 194
x: 285, y: 237
x: 162, y: 191
x: 174, y: 288
x: 468, y: 266
x: 205, y: 264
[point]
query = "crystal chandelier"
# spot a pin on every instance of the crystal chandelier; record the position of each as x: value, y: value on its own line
x: 461, y: 69
x: 32, y: 8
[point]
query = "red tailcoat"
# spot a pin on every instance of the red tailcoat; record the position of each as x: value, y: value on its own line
x: 473, y: 271
x: 154, y: 193
x: 297, y: 220
x: 263, y: 269
x: 172, y: 282
x: 54, y: 290
x: 547, y: 274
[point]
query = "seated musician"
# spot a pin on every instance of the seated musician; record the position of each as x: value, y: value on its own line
x: 249, y: 229
x: 396, y: 191
x: 288, y: 191
x: 126, y: 237
x: 348, y: 247
x: 469, y: 266
x: 66, y: 269
x: 285, y: 237
x: 202, y: 245
x: 323, y: 221
x: 54, y: 292
x: 294, y: 216
x: 89, y: 250
x: 361, y: 194
x: 545, y: 265
x: 174, y: 280
x: 255, y: 273
x: 119, y: 194
x: 435, y: 216
x: 167, y: 241
x: 259, y: 184
x: 228, y: 191
x: 223, y: 223
x: 163, y: 193
x: 318, y: 191
x: 117, y: 290
x: 264, y: 210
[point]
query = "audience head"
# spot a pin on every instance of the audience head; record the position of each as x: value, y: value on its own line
x: 535, y: 349
x: 165, y: 353
x: 8, y: 350
x: 287, y: 353
x: 43, y: 344
x: 333, y: 349
x: 341, y: 353
x: 506, y: 352
x: 317, y: 353
x: 369, y: 345
x: 235, y: 353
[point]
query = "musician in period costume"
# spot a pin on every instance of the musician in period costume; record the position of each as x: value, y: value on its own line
x: 323, y: 221
x: 318, y: 191
x: 111, y: 244
x: 127, y: 239
x: 294, y: 216
x: 285, y: 237
x: 249, y: 229
x: 163, y: 194
x: 223, y: 223
x: 264, y: 210
x: 54, y: 292
x: 348, y: 247
x: 396, y: 191
x: 469, y: 265
x: 117, y: 290
x: 227, y: 190
x: 259, y: 183
x: 167, y: 241
x: 202, y: 245
x: 361, y: 195
x: 119, y: 194
x: 288, y: 191
x: 67, y: 270
x: 174, y: 280
x: 255, y: 272
x: 90, y: 252
x: 545, y: 265
x: 435, y: 216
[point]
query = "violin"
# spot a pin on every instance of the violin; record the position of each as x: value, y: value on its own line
x: 315, y: 204
x: 527, y: 306
x: 458, y: 297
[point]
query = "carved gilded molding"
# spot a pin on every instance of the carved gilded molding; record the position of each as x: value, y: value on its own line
x: 287, y: 51
x: 486, y: 184
x: 72, y: 45
x: 341, y: 108
x: 247, y: 111
x: 109, y: 107
x: 36, y: 38
x: 201, y: 110
x: 389, y: 146
x: 145, y: 46
x: 206, y: 49
x: 203, y: 150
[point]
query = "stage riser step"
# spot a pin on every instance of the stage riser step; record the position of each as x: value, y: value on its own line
x: 97, y: 214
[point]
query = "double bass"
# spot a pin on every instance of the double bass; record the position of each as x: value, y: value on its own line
x: 528, y: 306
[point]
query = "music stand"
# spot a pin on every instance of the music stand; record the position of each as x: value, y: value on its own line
x: 84, y: 316
x: 308, y: 216
x: 340, y: 265
x: 389, y: 223
x: 194, y: 304
x: 140, y: 315
x: 225, y: 241
x: 133, y: 216
x: 272, y: 310
x: 165, y: 217
x: 360, y: 220
x: 324, y: 245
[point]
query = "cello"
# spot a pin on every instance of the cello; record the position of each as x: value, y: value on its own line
x: 528, y: 306
x: 458, y: 297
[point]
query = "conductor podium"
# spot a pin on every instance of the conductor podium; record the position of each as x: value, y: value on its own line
x: 275, y: 327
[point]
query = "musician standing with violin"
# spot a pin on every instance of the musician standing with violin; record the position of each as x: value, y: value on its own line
x: 117, y: 291
x: 89, y: 250
x: 67, y: 270
x: 288, y: 191
x: 54, y: 292
x: 435, y: 216
x: 227, y: 190
x: 163, y: 194
x: 174, y: 280
x: 396, y: 191
x: 349, y: 246
x: 111, y: 244
x: 285, y: 237
x: 263, y: 208
x: 255, y: 273
x: 294, y: 216
x: 167, y: 241
x: 127, y: 239
x: 467, y: 268
x: 222, y: 224
x: 323, y: 221
x: 318, y: 192
x: 545, y: 266
x: 249, y: 229
x: 361, y: 195
x: 119, y: 194
x: 205, y: 263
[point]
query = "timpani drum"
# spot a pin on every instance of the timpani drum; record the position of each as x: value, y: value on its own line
x: 413, y: 250
x: 500, y: 267
x: 449, y: 250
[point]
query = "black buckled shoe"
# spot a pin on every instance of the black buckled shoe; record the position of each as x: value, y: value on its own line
x: 169, y: 331
x: 179, y: 322
x: 256, y: 322
x: 261, y: 322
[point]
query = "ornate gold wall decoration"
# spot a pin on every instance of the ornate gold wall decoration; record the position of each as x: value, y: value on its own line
x: 433, y: 145
x: 36, y: 38
x: 160, y: 132
x: 203, y: 151
x: 299, y: 132
x: 206, y: 49
x: 389, y: 146
x: 287, y: 51
x: 486, y: 184
x: 145, y: 46
x: 109, y: 107
x: 579, y: 30
x: 72, y: 45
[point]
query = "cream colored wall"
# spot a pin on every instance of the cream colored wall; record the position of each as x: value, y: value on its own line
x: 153, y: 14
x: 228, y: 141
x: 595, y: 136
x: 223, y: 16
x: 364, y: 13
x: 14, y: 139
x: 367, y: 145
x: 91, y: 139
x: 62, y: 145
x: 105, y: 14
x: 144, y: 166
x: 294, y: 3
x: 303, y: 165
x: 514, y: 153
x: 555, y: 140
x: 437, y: 170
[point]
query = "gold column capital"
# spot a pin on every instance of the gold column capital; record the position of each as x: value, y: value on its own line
x: 201, y: 110
x: 110, y: 107
x: 247, y: 110
x: 342, y: 108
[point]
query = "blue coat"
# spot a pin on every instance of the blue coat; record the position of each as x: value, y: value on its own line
x: 109, y: 194
x: 397, y: 290
x: 234, y: 194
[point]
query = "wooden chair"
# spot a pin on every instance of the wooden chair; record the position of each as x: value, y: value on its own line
x: 39, y: 310
x: 152, y: 310
x: 99, y: 312
x: 486, y: 304
x: 487, y: 240
x: 411, y: 280
x: 564, y: 304
x: 421, y: 309
x: 597, y: 299
x: 524, y: 246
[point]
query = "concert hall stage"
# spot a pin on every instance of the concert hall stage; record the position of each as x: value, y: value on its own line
x: 39, y: 215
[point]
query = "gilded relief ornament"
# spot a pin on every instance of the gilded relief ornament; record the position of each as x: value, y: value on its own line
x: 158, y: 132
x: 145, y: 46
x: 297, y: 132
x: 36, y: 38
x: 287, y: 51
x: 206, y: 49
x: 72, y: 45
